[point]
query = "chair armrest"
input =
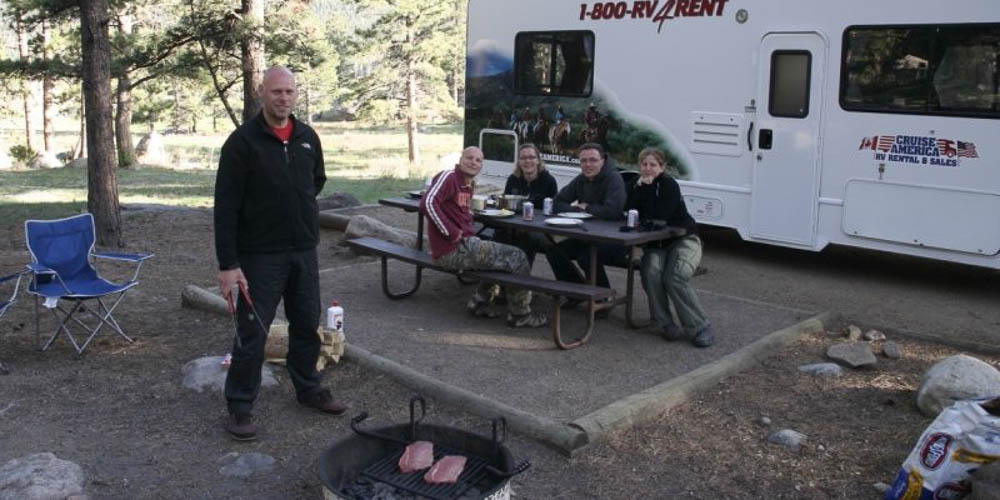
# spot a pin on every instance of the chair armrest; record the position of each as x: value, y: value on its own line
x: 37, y: 268
x: 131, y: 257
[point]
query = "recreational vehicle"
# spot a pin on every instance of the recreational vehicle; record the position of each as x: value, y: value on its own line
x: 797, y: 123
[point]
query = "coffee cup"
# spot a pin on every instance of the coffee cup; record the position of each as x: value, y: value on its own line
x: 478, y: 202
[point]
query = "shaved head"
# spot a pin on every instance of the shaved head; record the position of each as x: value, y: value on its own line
x: 277, y: 93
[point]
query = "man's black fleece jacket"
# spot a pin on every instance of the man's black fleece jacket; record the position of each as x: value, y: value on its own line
x: 265, y: 192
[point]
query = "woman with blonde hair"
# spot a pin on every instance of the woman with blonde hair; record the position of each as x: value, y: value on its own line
x: 667, y: 266
x: 532, y: 180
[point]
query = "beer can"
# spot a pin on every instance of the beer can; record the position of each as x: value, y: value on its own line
x: 528, y: 210
x: 633, y: 218
x: 547, y: 206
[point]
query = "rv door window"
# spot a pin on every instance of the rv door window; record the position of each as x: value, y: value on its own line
x: 790, y: 71
x: 929, y: 69
x: 558, y: 63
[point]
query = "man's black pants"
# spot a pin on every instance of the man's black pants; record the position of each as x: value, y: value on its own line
x: 294, y: 277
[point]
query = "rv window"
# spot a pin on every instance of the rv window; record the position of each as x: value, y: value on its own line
x: 931, y: 69
x: 789, y: 95
x: 554, y: 63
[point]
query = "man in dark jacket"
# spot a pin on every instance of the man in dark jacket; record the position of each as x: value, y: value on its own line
x: 600, y: 191
x: 266, y: 232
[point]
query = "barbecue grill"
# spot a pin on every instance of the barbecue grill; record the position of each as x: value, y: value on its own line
x: 365, y: 464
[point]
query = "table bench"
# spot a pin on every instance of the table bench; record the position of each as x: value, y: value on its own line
x: 555, y: 289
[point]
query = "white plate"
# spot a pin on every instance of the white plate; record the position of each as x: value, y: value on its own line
x: 575, y: 215
x: 416, y: 194
x: 494, y: 212
x: 559, y: 221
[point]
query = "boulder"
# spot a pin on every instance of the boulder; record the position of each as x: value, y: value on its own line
x: 363, y: 225
x: 823, y: 369
x: 150, y: 150
x: 853, y: 354
x: 209, y: 373
x: 245, y: 465
x: 338, y: 200
x: 45, y: 159
x: 953, y: 379
x: 892, y: 350
x: 78, y: 163
x: 788, y: 438
x: 852, y: 333
x: 41, y: 476
x: 986, y: 482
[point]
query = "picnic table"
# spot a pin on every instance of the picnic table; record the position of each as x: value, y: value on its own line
x: 593, y: 231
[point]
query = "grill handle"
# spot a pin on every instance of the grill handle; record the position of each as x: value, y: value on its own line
x: 413, y: 415
x: 519, y: 468
x: 360, y: 418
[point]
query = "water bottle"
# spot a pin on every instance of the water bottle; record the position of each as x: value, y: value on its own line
x: 335, y: 317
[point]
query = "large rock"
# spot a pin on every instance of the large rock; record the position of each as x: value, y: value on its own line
x: 953, y: 379
x: 209, y: 373
x: 363, y: 225
x: 338, y: 200
x: 986, y: 482
x: 41, y: 476
x: 853, y: 354
x: 78, y: 163
x: 823, y: 369
x: 150, y: 150
x: 245, y: 465
x: 788, y: 438
x: 45, y: 159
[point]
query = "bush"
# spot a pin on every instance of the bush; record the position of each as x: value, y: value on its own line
x: 22, y: 154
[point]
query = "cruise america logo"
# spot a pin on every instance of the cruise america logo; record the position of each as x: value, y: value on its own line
x: 918, y: 150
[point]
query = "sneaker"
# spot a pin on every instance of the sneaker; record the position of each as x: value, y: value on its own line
x: 672, y: 332
x: 704, y: 338
x: 529, y: 320
x: 323, y: 402
x: 240, y: 427
x: 480, y: 308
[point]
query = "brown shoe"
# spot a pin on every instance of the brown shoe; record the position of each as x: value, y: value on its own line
x: 240, y: 427
x: 322, y: 401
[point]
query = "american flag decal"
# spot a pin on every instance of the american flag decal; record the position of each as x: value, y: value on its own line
x: 885, y: 143
x: 967, y: 150
x: 946, y: 147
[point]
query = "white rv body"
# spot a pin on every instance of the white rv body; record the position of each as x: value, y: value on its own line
x: 697, y: 75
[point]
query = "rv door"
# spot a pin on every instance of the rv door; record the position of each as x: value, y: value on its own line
x: 786, y: 169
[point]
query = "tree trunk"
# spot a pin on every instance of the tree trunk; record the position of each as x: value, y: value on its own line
x: 48, y: 104
x: 102, y: 178
x: 123, y: 123
x: 305, y: 101
x: 22, y: 50
x: 252, y: 52
x: 80, y: 150
x: 123, y: 106
x: 411, y: 102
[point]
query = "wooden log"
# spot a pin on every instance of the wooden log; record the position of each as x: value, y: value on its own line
x: 198, y: 298
x: 330, y: 220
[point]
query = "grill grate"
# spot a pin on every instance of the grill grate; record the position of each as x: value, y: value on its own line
x: 386, y: 470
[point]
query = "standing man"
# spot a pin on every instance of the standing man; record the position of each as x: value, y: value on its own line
x: 600, y: 191
x: 266, y: 233
x: 455, y: 246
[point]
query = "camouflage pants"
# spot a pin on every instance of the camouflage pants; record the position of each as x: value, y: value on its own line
x: 475, y: 254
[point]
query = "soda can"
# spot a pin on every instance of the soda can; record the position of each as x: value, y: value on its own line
x: 633, y: 218
x: 547, y: 206
x: 528, y: 210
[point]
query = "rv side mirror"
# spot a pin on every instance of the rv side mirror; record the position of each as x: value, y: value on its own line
x: 764, y: 139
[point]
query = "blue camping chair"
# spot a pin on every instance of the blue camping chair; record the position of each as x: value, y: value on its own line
x: 61, y: 252
x: 5, y: 305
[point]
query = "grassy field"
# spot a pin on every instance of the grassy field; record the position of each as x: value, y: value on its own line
x: 369, y: 162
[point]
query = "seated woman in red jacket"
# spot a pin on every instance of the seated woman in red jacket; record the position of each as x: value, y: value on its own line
x: 667, y: 266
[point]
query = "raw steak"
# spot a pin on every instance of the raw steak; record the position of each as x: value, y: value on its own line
x: 446, y: 470
x: 418, y: 455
